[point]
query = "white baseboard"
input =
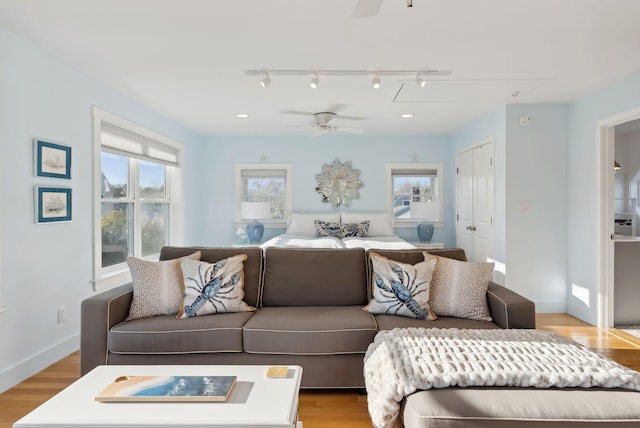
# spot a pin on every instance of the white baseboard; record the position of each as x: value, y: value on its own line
x: 588, y: 316
x: 32, y: 365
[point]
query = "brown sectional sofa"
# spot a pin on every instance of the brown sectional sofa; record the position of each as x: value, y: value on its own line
x: 309, y: 313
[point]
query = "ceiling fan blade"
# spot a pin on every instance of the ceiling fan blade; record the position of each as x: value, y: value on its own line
x: 366, y: 8
x: 320, y: 131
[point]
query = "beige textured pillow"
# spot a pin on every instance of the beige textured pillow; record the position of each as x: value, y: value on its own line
x: 400, y: 288
x: 157, y: 286
x: 459, y: 289
x: 211, y: 288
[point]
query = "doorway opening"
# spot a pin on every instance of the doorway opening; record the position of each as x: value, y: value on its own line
x: 610, y: 208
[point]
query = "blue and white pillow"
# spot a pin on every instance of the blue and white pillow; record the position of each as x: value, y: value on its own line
x: 355, y: 230
x: 400, y: 288
x: 325, y: 229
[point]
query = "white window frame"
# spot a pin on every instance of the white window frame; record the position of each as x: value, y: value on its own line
x: 239, y: 192
x: 428, y: 168
x: 112, y: 276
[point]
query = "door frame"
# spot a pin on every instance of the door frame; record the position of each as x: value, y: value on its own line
x: 605, y: 246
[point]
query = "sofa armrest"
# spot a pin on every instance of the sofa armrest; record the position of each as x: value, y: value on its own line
x: 97, y: 315
x: 509, y: 309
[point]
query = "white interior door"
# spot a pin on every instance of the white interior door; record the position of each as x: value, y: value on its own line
x: 475, y: 199
x: 464, y: 202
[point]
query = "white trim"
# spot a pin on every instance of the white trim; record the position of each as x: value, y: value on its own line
x: 605, y: 246
x: 401, y: 223
x: 238, y: 191
x: 42, y: 359
x: 120, y: 275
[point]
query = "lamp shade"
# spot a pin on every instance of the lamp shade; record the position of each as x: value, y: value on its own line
x: 255, y: 210
x: 428, y: 210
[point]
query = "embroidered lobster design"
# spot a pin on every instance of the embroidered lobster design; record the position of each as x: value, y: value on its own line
x: 402, y: 292
x: 213, y: 290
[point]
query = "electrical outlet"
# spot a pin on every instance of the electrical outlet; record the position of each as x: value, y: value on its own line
x: 62, y: 314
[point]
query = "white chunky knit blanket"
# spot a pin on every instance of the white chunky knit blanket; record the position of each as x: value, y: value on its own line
x: 404, y: 360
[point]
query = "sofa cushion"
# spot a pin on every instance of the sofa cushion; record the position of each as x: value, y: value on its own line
x: 389, y: 322
x: 211, y: 288
x: 314, y: 277
x: 168, y: 335
x: 252, y: 265
x: 309, y: 330
x: 401, y: 288
x: 157, y: 286
x: 459, y: 289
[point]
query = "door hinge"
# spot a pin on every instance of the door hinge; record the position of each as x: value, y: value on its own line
x: 491, y: 161
x: 458, y: 218
x: 457, y: 170
x: 491, y: 221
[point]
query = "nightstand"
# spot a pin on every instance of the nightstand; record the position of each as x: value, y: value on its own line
x: 427, y: 245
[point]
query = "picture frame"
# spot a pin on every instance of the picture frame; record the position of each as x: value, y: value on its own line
x: 51, y: 159
x: 52, y: 204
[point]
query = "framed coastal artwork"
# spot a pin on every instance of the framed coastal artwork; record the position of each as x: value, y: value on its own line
x: 53, y: 204
x: 51, y: 159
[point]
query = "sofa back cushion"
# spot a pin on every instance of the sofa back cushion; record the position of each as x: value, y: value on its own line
x: 252, y: 265
x: 314, y: 277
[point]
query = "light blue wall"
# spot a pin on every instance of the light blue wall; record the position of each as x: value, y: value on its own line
x: 536, y: 204
x: 369, y: 154
x: 582, y: 181
x: 50, y: 265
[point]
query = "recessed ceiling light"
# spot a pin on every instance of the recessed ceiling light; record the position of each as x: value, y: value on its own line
x: 406, y: 115
x: 242, y: 115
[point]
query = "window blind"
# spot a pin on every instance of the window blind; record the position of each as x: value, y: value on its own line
x: 119, y: 141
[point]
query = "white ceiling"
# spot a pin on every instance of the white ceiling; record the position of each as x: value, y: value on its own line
x: 187, y: 59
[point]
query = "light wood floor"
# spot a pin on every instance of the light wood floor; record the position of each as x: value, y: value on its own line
x: 318, y: 409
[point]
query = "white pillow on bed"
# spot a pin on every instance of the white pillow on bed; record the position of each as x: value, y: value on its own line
x: 304, y: 223
x: 380, y: 224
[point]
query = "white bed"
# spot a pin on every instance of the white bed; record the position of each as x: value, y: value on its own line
x: 300, y: 240
x: 301, y: 232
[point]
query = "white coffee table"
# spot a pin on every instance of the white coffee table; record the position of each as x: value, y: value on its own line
x: 255, y: 401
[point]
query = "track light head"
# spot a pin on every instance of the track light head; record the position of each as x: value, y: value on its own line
x: 315, y: 81
x: 375, y: 82
x: 265, y: 82
x: 420, y: 81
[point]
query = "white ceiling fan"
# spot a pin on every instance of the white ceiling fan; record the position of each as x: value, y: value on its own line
x: 325, y: 124
x: 367, y: 8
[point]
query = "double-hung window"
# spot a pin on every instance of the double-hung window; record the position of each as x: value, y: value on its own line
x: 136, y: 171
x: 269, y: 184
x: 414, y: 193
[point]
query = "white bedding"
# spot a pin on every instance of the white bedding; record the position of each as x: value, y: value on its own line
x: 392, y: 242
x: 304, y: 240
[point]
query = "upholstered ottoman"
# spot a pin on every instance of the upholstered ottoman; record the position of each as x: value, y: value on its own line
x: 520, y: 407
x: 455, y: 378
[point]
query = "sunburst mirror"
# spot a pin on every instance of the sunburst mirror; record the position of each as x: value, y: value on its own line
x: 339, y: 183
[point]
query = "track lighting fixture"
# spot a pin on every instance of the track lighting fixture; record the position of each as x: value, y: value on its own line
x: 266, y: 81
x: 375, y: 75
x: 314, y: 81
x: 375, y: 82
